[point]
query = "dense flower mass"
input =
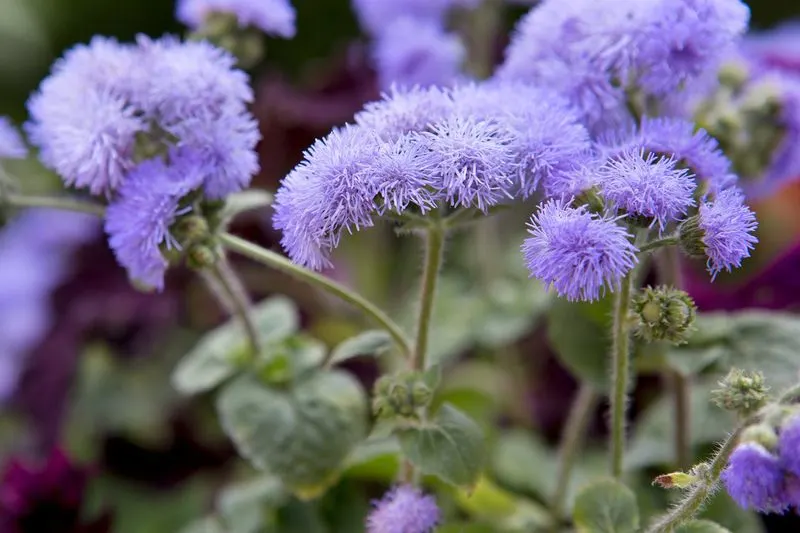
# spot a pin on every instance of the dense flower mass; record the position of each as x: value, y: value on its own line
x: 754, y: 478
x: 35, y: 252
x: 727, y: 225
x: 579, y: 253
x: 594, y: 52
x: 376, y: 15
x: 11, y: 144
x: 432, y: 57
x: 273, y: 17
x: 404, y: 509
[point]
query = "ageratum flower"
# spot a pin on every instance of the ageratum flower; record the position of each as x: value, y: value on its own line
x: 579, y: 253
x: 273, y: 17
x: 404, y: 509
x: 376, y: 15
x: 754, y: 479
x: 547, y: 138
x: 727, y: 225
x: 432, y: 57
x: 139, y: 221
x: 789, y: 446
x: 11, y: 144
x: 649, y: 186
x: 402, y: 111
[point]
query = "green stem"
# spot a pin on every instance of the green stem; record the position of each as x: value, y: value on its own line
x: 671, y: 240
x: 236, y: 297
x: 54, y: 202
x: 693, y: 502
x: 580, y: 415
x: 434, y: 253
x: 283, y: 264
x: 620, y: 354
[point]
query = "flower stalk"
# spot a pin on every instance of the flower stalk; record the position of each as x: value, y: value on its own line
x: 620, y: 356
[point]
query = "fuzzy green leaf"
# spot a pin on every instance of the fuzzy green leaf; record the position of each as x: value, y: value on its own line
x: 451, y: 446
x: 241, y: 506
x: 372, y: 342
x: 606, y: 506
x: 701, y: 526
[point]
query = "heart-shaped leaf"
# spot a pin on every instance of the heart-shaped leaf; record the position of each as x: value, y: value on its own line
x: 606, y: 506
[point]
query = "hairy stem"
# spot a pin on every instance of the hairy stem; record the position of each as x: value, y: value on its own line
x: 434, y: 253
x: 278, y: 262
x: 671, y: 240
x: 694, y: 500
x: 54, y: 202
x: 236, y: 298
x: 580, y: 415
x: 620, y: 355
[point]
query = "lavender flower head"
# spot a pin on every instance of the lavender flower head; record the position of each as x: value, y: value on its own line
x: 11, y: 144
x: 273, y: 17
x: 138, y: 222
x: 376, y: 15
x: 105, y: 105
x: 401, y: 111
x: 432, y: 57
x: 579, y: 253
x: 789, y: 446
x: 727, y: 225
x: 404, y: 509
x: 754, y: 479
x: 645, y: 185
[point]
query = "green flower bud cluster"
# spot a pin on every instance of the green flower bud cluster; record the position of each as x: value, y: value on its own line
x: 247, y: 44
x: 741, y: 391
x: 663, y: 314
x: 401, y: 395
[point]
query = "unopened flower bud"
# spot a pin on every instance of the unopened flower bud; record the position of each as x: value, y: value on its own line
x: 400, y: 395
x: 592, y: 199
x: 762, y: 434
x: 201, y: 256
x: 191, y: 229
x: 741, y: 391
x: 691, y: 237
x: 664, y: 314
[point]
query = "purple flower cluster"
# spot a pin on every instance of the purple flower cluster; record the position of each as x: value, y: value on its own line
x: 35, y: 251
x: 598, y: 53
x: 433, y: 57
x: 11, y: 144
x: 404, y: 509
x: 111, y: 113
x: 424, y: 148
x: 767, y: 480
x: 728, y: 226
x: 273, y: 17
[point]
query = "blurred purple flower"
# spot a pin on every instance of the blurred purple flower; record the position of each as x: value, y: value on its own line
x: 11, y: 144
x: 376, y: 15
x: 754, y: 479
x: 579, y: 253
x: 404, y: 509
x: 273, y: 17
x: 789, y: 446
x: 46, y: 497
x: 431, y: 57
x: 778, y: 48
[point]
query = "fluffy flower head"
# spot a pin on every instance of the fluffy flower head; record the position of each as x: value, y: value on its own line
x: 404, y: 509
x: 11, y: 145
x: 789, y: 446
x: 648, y: 186
x: 432, y: 57
x: 728, y: 226
x: 754, y: 479
x: 273, y: 17
x: 402, y: 111
x: 376, y: 15
x: 579, y: 253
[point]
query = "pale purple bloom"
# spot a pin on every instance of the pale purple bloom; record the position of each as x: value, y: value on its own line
x: 547, y: 137
x: 82, y: 119
x: 778, y: 48
x: 474, y: 162
x: 11, y: 144
x: 401, y: 111
x: 273, y: 17
x: 431, y: 57
x: 138, y: 222
x: 579, y: 253
x: 754, y: 479
x: 683, y: 39
x: 789, y: 446
x: 35, y: 250
x: 581, y: 177
x: 646, y: 185
x: 728, y: 226
x: 404, y: 509
x: 402, y: 174
x: 376, y: 15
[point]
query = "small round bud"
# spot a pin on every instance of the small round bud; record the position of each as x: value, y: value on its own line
x: 664, y: 314
x: 592, y: 199
x: 691, y: 237
x: 191, y: 229
x: 761, y: 434
x: 741, y: 391
x: 401, y: 395
x: 733, y: 74
x: 201, y: 256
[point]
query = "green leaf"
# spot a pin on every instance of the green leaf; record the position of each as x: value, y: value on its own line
x: 291, y: 359
x: 218, y: 354
x: 509, y: 512
x: 578, y: 331
x: 375, y: 458
x: 652, y: 442
x: 451, y: 446
x: 701, y: 526
x: 606, y: 506
x: 243, y: 201
x: 724, y: 511
x: 372, y: 342
x: 206, y: 525
x: 241, y: 506
x: 301, y: 435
